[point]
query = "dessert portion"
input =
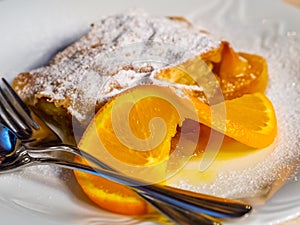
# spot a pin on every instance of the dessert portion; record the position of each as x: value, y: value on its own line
x: 124, y: 57
x: 113, y: 56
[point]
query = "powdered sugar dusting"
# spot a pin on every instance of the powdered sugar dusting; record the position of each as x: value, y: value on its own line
x: 117, y: 52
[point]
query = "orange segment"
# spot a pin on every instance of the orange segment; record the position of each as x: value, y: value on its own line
x: 109, y: 195
x: 241, y: 73
x: 250, y: 119
x: 137, y: 126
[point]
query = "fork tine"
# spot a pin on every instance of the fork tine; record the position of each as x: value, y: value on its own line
x: 7, y: 85
x: 12, y: 115
x: 13, y: 121
x: 17, y: 104
x: 5, y: 120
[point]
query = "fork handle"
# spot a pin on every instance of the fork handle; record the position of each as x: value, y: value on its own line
x: 185, y: 217
x: 210, y: 205
x: 169, y: 204
x: 180, y: 199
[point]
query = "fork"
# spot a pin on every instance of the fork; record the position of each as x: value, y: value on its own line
x: 35, y: 137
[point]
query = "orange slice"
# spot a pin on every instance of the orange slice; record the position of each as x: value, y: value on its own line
x: 249, y: 119
x: 110, y: 195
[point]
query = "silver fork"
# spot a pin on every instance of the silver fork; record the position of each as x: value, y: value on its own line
x: 32, y: 140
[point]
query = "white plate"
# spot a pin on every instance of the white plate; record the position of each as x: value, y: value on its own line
x: 32, y: 31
